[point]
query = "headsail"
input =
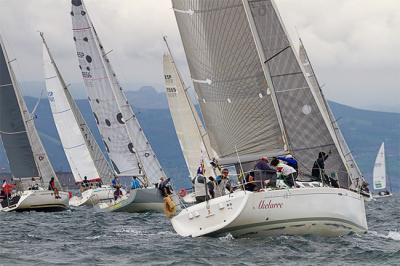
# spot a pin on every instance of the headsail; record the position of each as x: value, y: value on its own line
x: 126, y: 144
x: 354, y: 171
x: 257, y: 84
x: 25, y: 152
x: 379, y: 173
x: 192, y: 136
x: 228, y: 78
x: 84, y: 155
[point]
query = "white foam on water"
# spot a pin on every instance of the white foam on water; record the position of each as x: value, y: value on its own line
x: 228, y: 237
x: 393, y: 235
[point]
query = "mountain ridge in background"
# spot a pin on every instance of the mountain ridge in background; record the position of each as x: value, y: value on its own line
x: 364, y: 132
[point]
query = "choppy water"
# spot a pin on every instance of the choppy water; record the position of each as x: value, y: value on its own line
x: 86, y: 237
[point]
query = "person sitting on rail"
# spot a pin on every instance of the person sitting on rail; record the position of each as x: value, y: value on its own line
x: 289, y: 160
x: 250, y: 184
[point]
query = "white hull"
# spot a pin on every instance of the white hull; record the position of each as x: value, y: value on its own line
x: 39, y: 200
x: 137, y: 200
x: 93, y: 196
x: 377, y: 196
x: 304, y: 211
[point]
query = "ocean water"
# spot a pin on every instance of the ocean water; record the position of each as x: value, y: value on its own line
x: 84, y: 236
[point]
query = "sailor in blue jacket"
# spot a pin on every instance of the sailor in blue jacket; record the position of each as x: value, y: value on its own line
x: 135, y: 183
x: 289, y: 160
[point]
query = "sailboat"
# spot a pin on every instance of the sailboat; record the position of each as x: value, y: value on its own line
x: 353, y: 169
x: 127, y: 147
x: 83, y: 153
x: 380, y: 177
x: 30, y: 166
x: 256, y: 102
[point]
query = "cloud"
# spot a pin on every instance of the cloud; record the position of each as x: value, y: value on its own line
x: 353, y: 44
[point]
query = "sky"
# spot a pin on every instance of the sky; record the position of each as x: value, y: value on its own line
x: 353, y: 44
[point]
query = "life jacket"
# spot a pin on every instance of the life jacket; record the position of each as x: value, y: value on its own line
x: 200, y: 186
x: 169, y: 207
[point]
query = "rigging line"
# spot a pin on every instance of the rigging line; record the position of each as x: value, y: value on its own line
x: 38, y: 102
x: 275, y: 55
x: 12, y: 133
x: 6, y: 85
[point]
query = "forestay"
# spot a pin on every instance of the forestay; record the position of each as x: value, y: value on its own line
x: 354, y: 171
x: 126, y: 144
x: 84, y: 155
x: 188, y: 126
x: 379, y: 173
x: 25, y: 152
x: 234, y: 97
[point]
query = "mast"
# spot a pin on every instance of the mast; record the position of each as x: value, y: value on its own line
x: 263, y: 61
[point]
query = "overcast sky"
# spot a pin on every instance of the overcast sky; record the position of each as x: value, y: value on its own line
x: 353, y: 44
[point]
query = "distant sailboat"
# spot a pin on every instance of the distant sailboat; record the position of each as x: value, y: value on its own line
x: 81, y: 149
x: 380, y: 177
x: 129, y: 150
x: 256, y: 101
x: 29, y: 163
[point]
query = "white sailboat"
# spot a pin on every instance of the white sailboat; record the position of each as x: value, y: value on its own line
x: 81, y: 149
x: 29, y: 163
x: 353, y: 169
x: 256, y: 101
x: 126, y: 144
x: 380, y: 177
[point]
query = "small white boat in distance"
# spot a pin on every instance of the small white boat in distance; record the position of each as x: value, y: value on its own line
x: 380, y: 178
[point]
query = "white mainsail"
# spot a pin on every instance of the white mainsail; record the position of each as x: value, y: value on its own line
x: 353, y: 169
x: 379, y: 172
x: 188, y: 126
x: 84, y: 155
x: 27, y: 159
x: 258, y: 99
x: 127, y: 146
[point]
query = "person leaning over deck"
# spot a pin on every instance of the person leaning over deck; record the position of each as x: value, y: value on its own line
x: 223, y: 183
x: 201, y: 188
x: 318, y: 170
x: 264, y: 174
x: 285, y: 171
x: 289, y: 160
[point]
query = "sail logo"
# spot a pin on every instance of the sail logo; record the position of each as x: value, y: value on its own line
x: 270, y: 205
x: 50, y: 96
